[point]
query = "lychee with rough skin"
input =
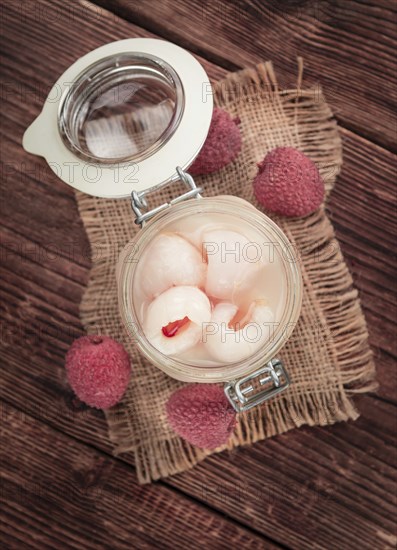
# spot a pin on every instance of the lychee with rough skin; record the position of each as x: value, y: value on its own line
x: 222, y: 145
x: 98, y: 370
x: 289, y: 183
x: 202, y: 415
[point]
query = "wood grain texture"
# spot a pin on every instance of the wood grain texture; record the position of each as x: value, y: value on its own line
x: 59, y: 493
x: 324, y: 488
x: 319, y: 479
x: 347, y: 46
x: 44, y: 394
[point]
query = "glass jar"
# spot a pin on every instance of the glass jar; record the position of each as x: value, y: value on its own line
x: 274, y: 244
x: 136, y: 113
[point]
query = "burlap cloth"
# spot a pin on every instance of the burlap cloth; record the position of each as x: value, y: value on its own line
x: 328, y: 357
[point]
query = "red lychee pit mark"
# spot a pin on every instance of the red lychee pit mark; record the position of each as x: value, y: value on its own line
x: 174, y: 327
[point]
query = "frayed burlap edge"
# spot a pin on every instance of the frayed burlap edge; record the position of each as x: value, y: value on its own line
x: 312, y: 129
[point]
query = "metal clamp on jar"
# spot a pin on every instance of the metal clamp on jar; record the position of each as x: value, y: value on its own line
x: 135, y: 113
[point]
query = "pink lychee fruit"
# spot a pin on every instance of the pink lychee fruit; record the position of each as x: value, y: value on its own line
x: 222, y: 145
x: 288, y: 183
x: 202, y: 415
x: 98, y: 370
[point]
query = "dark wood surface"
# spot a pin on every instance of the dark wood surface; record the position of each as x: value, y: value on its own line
x: 332, y: 488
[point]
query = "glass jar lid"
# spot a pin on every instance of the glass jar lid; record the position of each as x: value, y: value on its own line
x: 123, y: 117
x: 122, y: 108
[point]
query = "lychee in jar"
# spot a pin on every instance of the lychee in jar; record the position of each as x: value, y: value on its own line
x: 210, y: 291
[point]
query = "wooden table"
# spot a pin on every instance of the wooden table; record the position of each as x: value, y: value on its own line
x: 330, y: 488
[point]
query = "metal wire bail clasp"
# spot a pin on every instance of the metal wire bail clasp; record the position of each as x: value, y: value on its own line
x: 244, y: 397
x: 139, y: 202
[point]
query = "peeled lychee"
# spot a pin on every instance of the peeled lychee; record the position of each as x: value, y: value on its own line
x: 201, y: 414
x: 98, y: 370
x: 288, y: 183
x: 222, y: 145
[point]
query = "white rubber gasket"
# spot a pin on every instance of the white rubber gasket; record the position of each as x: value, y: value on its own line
x: 118, y: 180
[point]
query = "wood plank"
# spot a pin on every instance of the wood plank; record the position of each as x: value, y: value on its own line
x: 318, y: 470
x: 373, y: 185
x: 323, y: 487
x: 322, y: 454
x: 337, y: 472
x: 348, y: 46
x: 49, y: 25
x: 50, y: 243
x: 361, y: 208
x: 60, y: 493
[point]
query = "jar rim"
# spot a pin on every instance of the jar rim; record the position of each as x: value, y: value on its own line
x: 182, y: 370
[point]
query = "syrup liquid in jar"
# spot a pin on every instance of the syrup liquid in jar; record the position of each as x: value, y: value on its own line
x: 209, y: 289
